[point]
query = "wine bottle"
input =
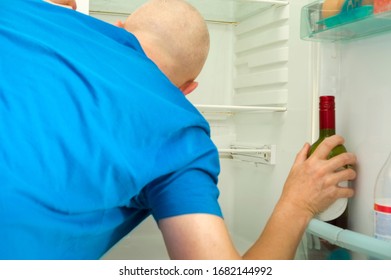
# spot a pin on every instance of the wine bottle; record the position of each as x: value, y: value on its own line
x: 326, y: 129
x: 337, y: 213
x: 382, y: 205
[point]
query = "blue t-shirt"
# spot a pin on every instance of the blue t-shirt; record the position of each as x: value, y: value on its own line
x: 93, y: 137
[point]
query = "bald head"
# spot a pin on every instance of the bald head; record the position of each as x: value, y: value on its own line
x: 174, y: 35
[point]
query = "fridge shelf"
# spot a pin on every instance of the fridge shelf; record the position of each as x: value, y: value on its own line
x: 257, y: 155
x: 220, y: 11
x: 243, y: 9
x: 319, y: 23
x: 354, y: 241
x: 226, y: 111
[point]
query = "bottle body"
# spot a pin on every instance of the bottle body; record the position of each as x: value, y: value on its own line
x: 382, y: 205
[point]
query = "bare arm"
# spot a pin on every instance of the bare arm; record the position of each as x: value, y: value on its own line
x: 197, y: 236
x: 312, y: 185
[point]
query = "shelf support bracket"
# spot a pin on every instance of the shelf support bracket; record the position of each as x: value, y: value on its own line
x: 258, y: 155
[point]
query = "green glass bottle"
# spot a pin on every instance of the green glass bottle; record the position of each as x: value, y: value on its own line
x: 337, y: 213
x: 326, y: 129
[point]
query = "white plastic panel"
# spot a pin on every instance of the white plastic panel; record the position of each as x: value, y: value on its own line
x: 83, y: 6
x: 262, y: 57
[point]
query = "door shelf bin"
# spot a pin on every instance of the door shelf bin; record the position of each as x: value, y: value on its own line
x: 347, y: 25
x: 353, y: 241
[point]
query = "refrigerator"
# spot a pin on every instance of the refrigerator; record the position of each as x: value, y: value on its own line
x: 269, y: 62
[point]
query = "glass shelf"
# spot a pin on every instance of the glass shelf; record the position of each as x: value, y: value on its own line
x: 232, y: 109
x: 232, y: 11
x: 348, y: 24
x: 225, y: 11
x: 222, y: 112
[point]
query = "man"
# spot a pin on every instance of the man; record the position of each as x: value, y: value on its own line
x: 96, y: 135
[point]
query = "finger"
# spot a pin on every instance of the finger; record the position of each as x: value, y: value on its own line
x: 341, y: 161
x: 303, y: 153
x: 327, y: 145
x: 343, y: 192
x: 341, y: 176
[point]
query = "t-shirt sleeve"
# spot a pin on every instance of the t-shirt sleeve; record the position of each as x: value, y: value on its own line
x: 189, y: 184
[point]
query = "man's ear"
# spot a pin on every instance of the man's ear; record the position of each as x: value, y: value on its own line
x: 188, y: 87
x: 119, y: 23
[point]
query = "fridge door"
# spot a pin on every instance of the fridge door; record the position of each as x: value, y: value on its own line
x: 353, y: 64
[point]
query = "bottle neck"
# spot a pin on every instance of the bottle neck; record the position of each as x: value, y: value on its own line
x: 326, y: 122
x: 323, y: 133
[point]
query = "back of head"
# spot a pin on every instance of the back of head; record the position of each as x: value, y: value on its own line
x: 174, y: 35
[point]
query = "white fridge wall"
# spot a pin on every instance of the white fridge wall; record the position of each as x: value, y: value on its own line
x: 215, y: 80
x: 258, y: 188
x: 363, y: 117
